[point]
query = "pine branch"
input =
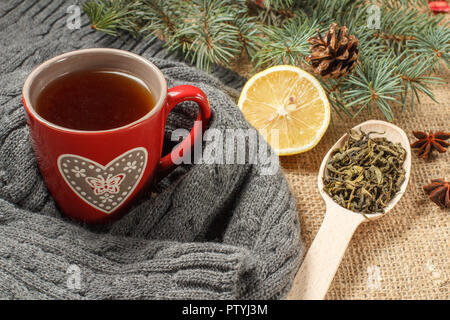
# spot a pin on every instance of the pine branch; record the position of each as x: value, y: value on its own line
x: 396, y: 4
x: 113, y: 16
x: 212, y: 36
x: 414, y: 75
x: 374, y: 83
x: 249, y: 31
x: 324, y: 12
x: 160, y: 19
x: 272, y: 12
x: 403, y: 24
x: 285, y: 45
x: 433, y: 42
x: 395, y: 62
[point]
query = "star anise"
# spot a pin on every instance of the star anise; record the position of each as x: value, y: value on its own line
x: 439, y: 192
x: 429, y: 142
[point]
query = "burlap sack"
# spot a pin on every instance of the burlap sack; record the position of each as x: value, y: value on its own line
x: 404, y: 255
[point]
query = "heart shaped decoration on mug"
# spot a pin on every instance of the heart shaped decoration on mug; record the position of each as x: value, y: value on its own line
x: 104, y: 187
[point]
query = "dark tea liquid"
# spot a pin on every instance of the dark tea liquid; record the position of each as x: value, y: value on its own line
x: 94, y: 100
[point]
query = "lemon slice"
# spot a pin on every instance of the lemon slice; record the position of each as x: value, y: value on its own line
x: 288, y: 106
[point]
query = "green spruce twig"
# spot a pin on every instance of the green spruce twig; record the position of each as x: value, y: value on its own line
x: 395, y: 63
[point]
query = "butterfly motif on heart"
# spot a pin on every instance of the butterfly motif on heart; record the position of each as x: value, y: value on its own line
x: 101, y: 185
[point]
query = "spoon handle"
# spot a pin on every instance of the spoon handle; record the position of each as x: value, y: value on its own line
x: 325, y: 254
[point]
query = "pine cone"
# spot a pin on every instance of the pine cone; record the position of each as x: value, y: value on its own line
x: 336, y: 54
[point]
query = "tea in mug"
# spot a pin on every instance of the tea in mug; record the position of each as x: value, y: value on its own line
x: 94, y: 100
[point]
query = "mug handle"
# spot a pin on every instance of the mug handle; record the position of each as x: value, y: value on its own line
x: 175, y: 96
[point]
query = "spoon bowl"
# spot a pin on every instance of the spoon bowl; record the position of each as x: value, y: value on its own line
x: 380, y: 129
x: 326, y: 251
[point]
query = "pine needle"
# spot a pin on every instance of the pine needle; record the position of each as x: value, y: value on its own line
x: 396, y: 62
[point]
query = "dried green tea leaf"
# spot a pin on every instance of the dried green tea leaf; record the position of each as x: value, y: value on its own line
x: 365, y: 173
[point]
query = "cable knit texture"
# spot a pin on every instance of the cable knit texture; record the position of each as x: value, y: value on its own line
x: 203, y: 232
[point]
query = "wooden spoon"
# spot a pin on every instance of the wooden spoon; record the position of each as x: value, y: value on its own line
x: 325, y: 254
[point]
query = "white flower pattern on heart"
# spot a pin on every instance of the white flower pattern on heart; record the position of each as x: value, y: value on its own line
x: 79, y: 172
x: 106, y: 197
x: 130, y: 166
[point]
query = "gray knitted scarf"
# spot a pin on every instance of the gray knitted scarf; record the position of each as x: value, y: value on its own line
x: 204, y: 232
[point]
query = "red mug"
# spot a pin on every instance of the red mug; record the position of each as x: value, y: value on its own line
x: 95, y: 175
